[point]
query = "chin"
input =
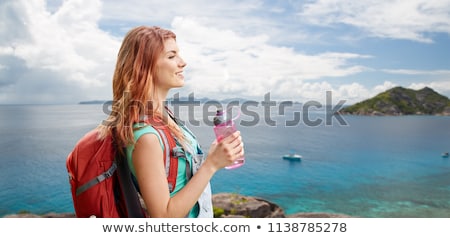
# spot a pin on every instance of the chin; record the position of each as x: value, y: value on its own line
x: 180, y: 85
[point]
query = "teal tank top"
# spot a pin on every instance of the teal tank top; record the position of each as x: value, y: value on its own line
x: 181, y: 175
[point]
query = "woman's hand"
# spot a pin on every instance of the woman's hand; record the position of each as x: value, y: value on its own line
x: 225, y: 152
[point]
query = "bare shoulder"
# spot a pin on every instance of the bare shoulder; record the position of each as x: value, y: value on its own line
x: 147, y: 145
x: 148, y: 139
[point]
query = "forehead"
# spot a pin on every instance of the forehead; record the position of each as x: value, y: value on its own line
x: 170, y: 45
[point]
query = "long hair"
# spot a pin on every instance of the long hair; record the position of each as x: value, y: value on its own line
x: 134, y: 88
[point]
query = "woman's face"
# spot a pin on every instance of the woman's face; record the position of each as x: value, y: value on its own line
x: 169, y: 72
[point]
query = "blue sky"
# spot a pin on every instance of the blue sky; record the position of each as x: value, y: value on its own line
x: 64, y: 51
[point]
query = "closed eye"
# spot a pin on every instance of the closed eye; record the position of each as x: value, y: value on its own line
x: 171, y: 54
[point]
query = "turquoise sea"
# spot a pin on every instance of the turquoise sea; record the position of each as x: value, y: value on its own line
x: 371, y: 167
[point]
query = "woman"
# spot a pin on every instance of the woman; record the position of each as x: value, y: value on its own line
x: 148, y: 66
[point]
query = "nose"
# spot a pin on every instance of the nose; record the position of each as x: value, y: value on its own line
x: 181, y: 63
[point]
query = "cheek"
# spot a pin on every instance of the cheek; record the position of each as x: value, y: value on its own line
x: 159, y: 72
x: 164, y: 68
x: 162, y: 74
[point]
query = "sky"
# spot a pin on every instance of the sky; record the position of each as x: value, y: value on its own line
x: 64, y: 51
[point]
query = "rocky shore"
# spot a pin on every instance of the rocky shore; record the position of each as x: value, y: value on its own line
x: 226, y: 205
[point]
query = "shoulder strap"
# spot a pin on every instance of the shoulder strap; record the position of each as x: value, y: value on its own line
x: 127, y: 190
x: 171, y: 151
x: 177, y: 151
x: 97, y: 179
x: 171, y: 160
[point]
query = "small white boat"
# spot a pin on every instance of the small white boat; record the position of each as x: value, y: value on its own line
x: 292, y: 157
x: 445, y: 155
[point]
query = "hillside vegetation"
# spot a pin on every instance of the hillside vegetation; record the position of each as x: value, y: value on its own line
x: 402, y: 101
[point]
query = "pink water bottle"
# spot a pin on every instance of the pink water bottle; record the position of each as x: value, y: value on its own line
x: 224, y: 127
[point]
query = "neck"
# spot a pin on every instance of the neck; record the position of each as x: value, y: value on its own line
x: 162, y: 95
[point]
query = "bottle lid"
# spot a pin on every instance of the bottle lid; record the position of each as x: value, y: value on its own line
x: 219, y: 118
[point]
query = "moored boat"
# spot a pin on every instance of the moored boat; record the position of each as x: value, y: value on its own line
x: 292, y: 157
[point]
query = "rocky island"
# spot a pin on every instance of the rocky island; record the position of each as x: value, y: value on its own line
x: 400, y: 101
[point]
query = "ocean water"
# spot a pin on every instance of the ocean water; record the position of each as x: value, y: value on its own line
x: 371, y: 167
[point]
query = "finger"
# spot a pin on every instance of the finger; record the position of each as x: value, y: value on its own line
x: 237, y: 143
x: 241, y: 149
x: 231, y: 137
x: 236, y: 147
x: 238, y: 151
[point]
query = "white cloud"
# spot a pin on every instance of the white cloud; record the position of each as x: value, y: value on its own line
x: 351, y: 92
x: 398, y: 19
x: 68, y: 40
x: 385, y: 86
x: 417, y: 72
x: 222, y: 63
x: 66, y: 46
x: 66, y: 51
x: 440, y: 87
x: 223, y: 14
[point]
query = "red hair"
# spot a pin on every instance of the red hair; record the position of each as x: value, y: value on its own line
x: 134, y: 94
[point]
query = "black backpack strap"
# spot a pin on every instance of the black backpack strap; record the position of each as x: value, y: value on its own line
x: 128, y: 190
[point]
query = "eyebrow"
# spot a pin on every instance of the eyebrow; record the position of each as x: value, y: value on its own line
x: 171, y: 51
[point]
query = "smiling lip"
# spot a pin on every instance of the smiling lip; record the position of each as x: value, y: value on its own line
x: 180, y: 75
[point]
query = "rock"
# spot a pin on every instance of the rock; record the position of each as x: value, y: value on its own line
x: 318, y: 215
x: 47, y: 215
x: 235, y: 205
x: 226, y: 205
x: 230, y: 205
x: 446, y: 112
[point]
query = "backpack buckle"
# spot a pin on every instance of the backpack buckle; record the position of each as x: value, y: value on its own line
x: 178, y: 152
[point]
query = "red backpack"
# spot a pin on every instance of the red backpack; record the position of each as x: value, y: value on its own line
x: 101, y: 185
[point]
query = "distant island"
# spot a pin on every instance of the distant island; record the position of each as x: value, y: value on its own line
x: 93, y: 102
x: 179, y: 101
x: 399, y: 101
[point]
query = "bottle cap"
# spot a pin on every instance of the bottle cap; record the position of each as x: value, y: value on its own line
x: 219, y: 118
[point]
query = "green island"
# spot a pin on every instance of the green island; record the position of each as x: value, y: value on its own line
x: 400, y: 101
